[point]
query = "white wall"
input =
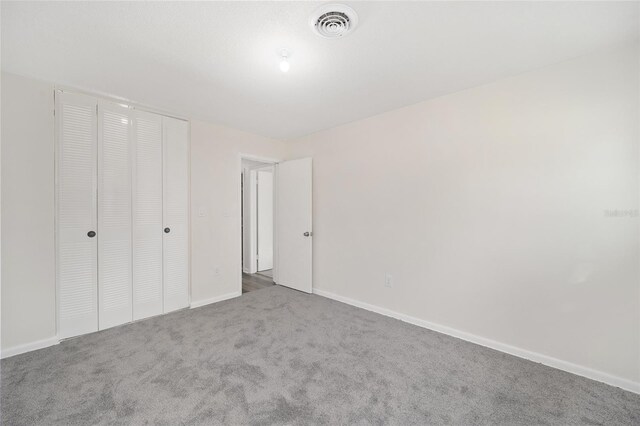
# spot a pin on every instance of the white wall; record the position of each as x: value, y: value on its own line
x: 487, y: 206
x: 28, y: 257
x: 215, y: 191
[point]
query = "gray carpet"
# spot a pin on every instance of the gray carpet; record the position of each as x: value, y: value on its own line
x: 277, y: 356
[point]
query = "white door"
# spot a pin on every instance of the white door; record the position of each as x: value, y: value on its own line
x: 76, y: 251
x: 176, y: 213
x: 293, y: 225
x: 265, y: 219
x: 147, y: 215
x: 114, y: 214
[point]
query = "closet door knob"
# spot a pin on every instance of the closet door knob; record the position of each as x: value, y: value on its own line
x: 167, y: 230
x: 91, y: 234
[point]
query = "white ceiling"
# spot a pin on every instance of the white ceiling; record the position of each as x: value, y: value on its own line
x: 219, y: 61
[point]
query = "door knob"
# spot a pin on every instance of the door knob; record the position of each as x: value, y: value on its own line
x: 91, y: 234
x: 307, y: 234
x: 167, y: 230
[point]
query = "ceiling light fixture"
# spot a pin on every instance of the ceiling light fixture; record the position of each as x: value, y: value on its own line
x: 284, y: 62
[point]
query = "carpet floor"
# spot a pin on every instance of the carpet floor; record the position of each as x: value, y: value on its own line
x: 277, y: 356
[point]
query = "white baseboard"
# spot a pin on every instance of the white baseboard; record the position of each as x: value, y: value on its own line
x: 204, y: 302
x: 580, y: 370
x: 28, y: 347
x: 40, y: 344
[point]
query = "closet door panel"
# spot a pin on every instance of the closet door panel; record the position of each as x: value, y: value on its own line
x: 114, y: 215
x: 176, y: 213
x: 76, y: 251
x: 147, y: 215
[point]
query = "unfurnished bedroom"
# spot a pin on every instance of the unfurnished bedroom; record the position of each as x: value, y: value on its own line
x: 305, y: 213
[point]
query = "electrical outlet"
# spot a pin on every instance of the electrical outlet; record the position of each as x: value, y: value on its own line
x: 388, y: 280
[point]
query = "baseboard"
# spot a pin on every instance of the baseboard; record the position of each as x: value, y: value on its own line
x: 569, y: 367
x: 28, y: 347
x: 204, y: 302
x: 40, y: 344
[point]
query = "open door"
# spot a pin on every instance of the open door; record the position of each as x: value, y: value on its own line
x: 293, y: 224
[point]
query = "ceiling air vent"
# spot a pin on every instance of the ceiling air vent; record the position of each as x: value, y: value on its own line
x: 333, y: 20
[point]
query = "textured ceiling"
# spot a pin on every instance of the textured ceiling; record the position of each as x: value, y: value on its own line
x: 218, y: 61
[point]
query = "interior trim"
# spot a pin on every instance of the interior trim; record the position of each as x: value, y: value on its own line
x: 211, y: 300
x: 28, y: 347
x: 549, y: 361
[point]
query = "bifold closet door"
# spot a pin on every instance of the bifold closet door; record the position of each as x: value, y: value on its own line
x: 114, y: 214
x: 176, y: 213
x: 147, y: 215
x: 76, y: 251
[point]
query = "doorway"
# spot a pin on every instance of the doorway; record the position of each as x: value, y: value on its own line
x: 257, y: 218
x: 279, y: 194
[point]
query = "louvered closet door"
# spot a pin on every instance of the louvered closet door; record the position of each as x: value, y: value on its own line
x: 176, y: 211
x: 114, y: 215
x: 147, y: 215
x: 76, y: 251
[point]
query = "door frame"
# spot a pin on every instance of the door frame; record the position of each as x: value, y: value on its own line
x: 268, y: 161
x: 58, y: 89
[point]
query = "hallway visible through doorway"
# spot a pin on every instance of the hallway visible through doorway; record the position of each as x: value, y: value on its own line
x: 258, y: 281
x: 257, y: 216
